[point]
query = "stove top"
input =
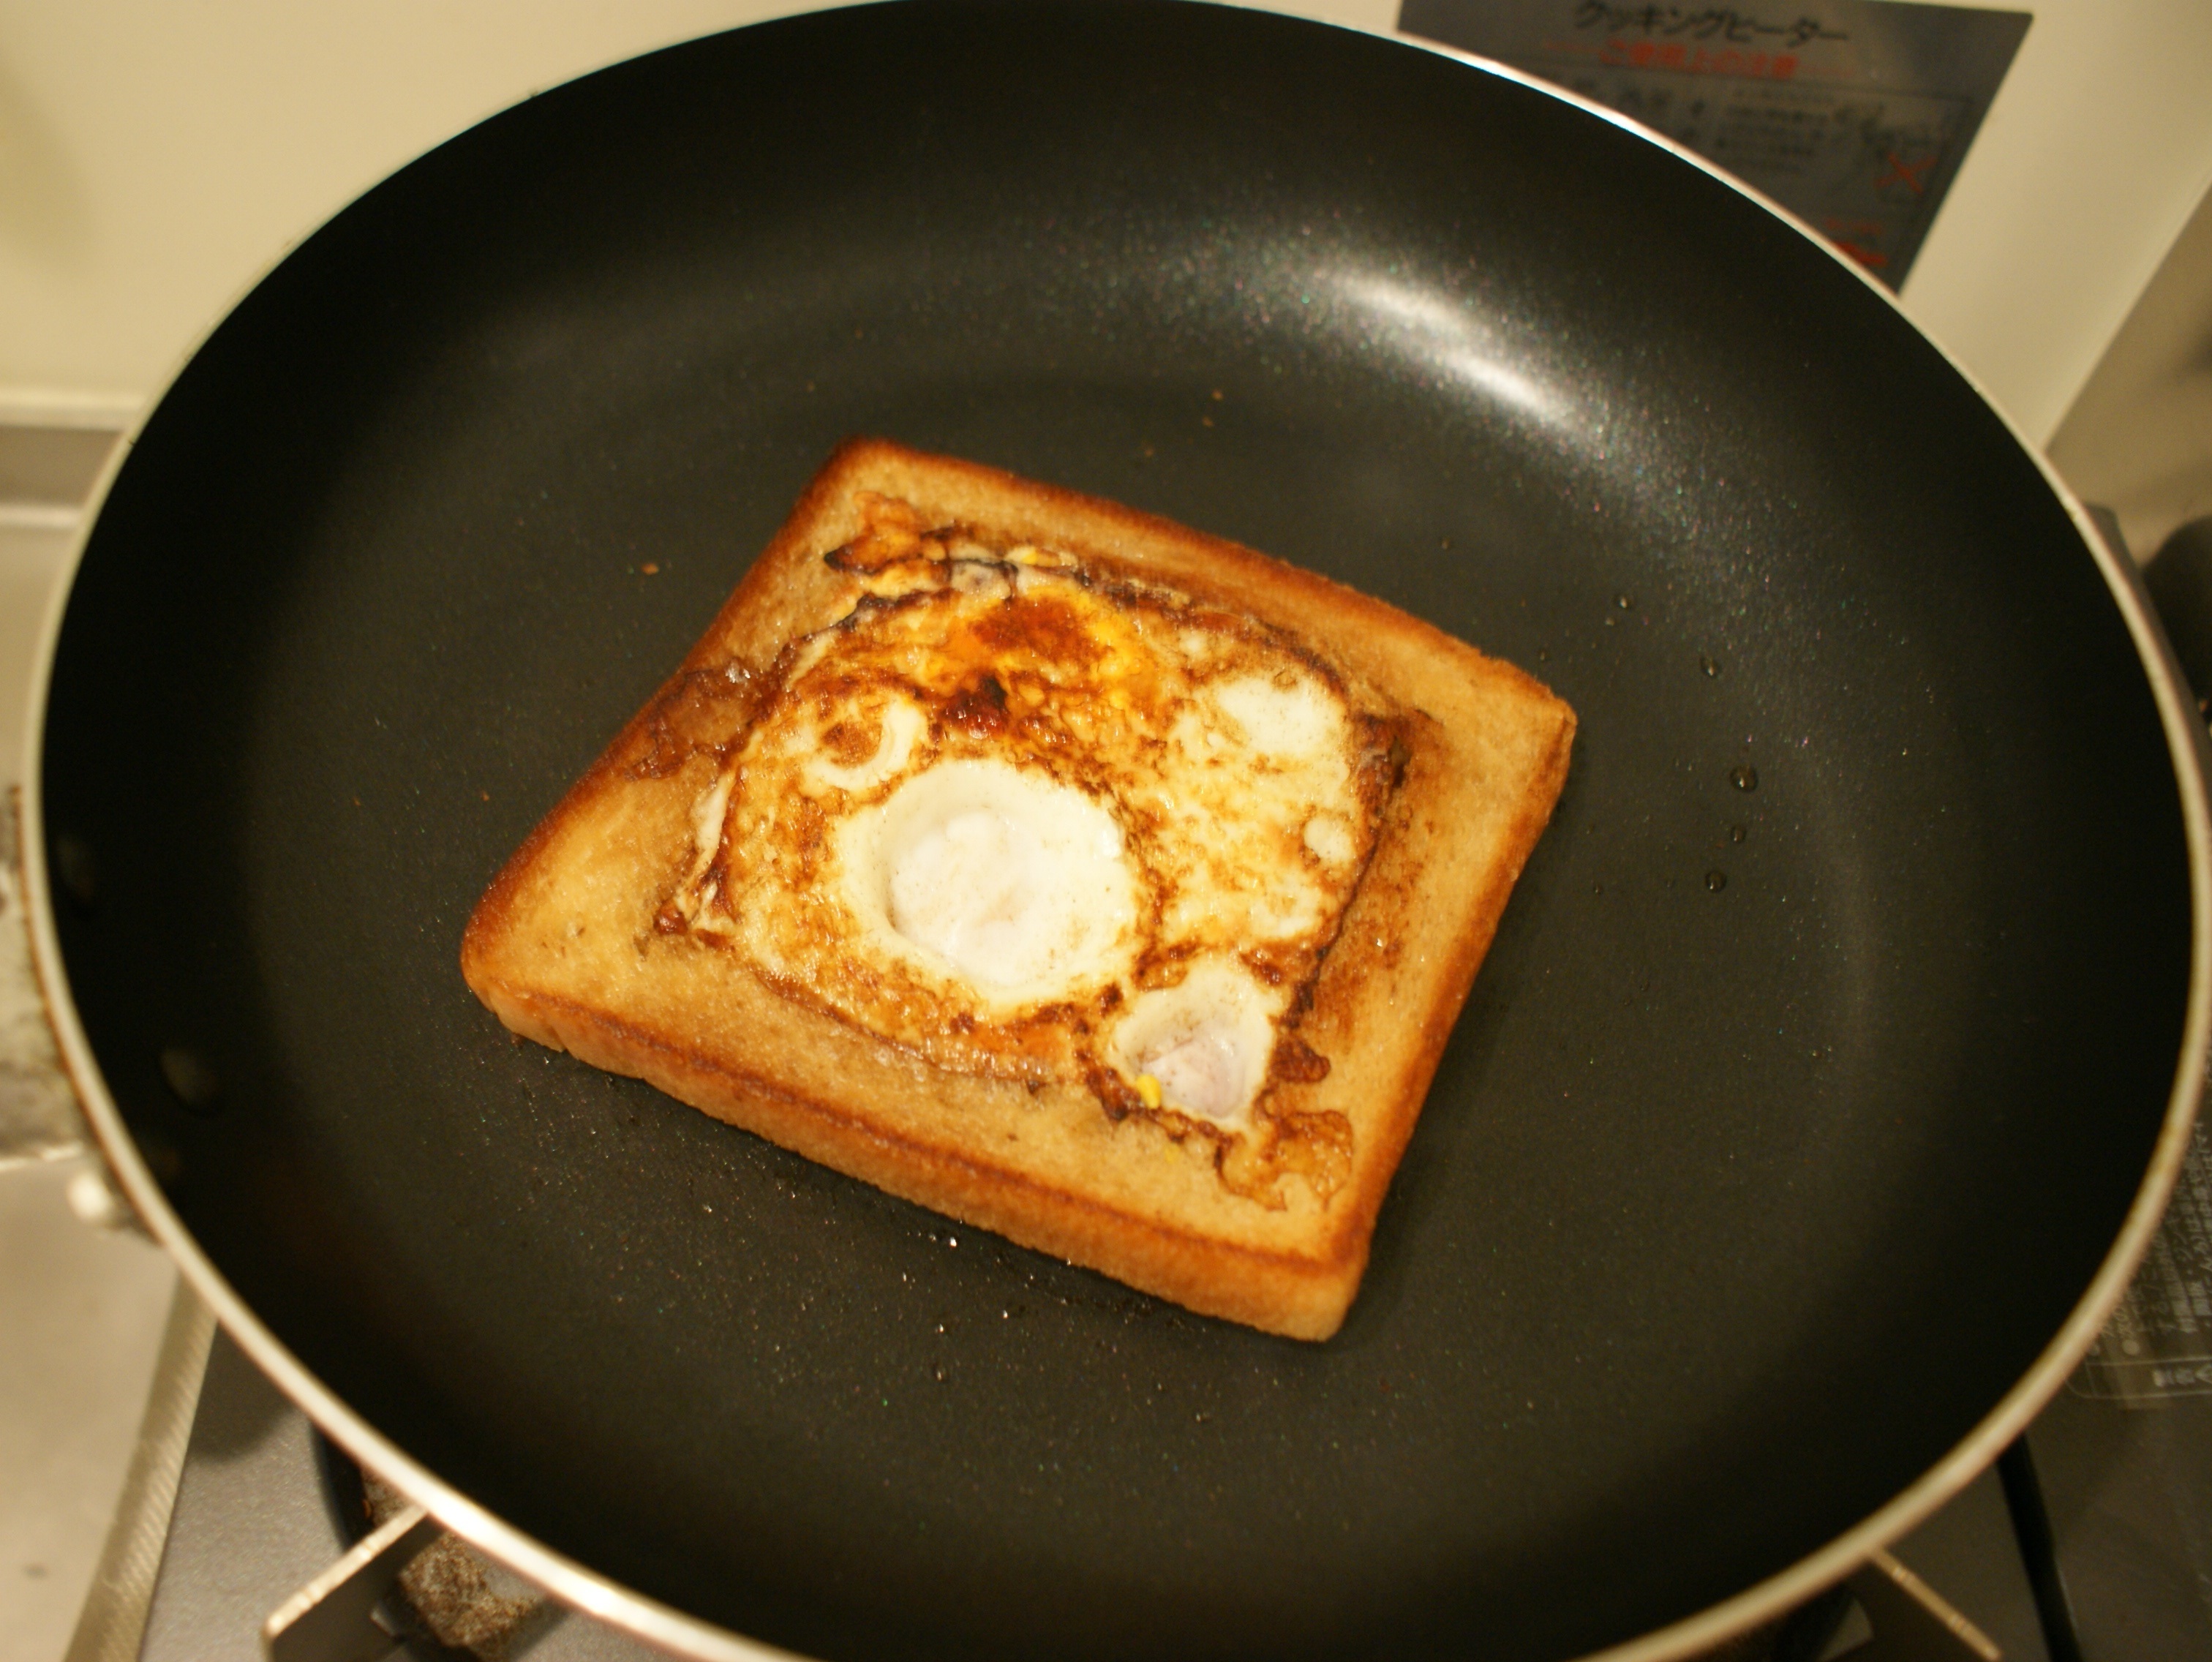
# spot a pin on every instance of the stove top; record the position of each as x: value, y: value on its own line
x: 260, y: 1503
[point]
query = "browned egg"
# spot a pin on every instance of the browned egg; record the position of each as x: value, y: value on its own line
x: 1029, y: 821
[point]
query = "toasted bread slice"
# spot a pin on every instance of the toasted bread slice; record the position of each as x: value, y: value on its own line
x: 1080, y: 876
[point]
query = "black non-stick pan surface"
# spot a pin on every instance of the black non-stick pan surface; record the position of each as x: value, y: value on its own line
x: 1820, y: 1056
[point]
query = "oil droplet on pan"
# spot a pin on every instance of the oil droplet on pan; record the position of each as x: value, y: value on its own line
x: 1707, y: 664
x: 1737, y: 833
x: 1744, y: 778
x: 1716, y: 880
x: 1625, y: 602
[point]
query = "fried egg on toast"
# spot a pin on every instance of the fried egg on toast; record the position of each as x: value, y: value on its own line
x: 1073, y: 874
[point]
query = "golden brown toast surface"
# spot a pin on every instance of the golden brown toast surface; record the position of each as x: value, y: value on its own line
x: 677, y: 915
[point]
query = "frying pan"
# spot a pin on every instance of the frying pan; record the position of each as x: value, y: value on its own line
x: 1817, y: 1096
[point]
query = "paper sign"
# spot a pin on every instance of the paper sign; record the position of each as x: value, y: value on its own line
x: 1853, y: 115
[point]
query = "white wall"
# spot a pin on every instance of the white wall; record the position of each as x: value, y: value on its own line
x: 2139, y: 437
x: 155, y: 155
x: 2097, y: 150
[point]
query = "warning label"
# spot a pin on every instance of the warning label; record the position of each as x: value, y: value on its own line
x: 1853, y: 115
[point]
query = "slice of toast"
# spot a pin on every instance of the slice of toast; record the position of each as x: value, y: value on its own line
x: 1085, y: 878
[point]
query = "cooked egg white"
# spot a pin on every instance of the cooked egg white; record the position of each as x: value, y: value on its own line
x: 1203, y: 1042
x: 980, y: 872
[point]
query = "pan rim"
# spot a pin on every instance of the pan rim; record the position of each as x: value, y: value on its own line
x: 611, y: 1602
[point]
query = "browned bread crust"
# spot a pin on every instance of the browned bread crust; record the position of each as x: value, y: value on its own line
x: 564, y: 947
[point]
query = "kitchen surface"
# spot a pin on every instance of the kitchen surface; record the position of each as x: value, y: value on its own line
x: 150, y: 168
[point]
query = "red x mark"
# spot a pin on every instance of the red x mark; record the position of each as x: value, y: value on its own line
x: 1907, y: 173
